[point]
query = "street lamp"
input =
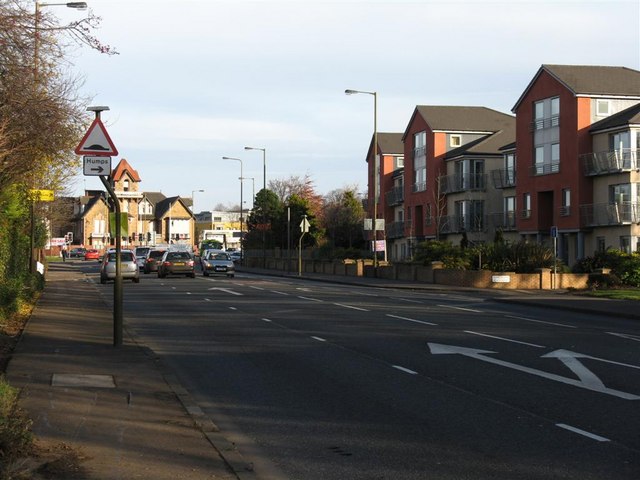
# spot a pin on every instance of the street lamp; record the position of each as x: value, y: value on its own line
x: 76, y: 5
x: 264, y: 164
x: 193, y: 199
x: 241, y: 219
x: 375, y: 168
x: 253, y: 188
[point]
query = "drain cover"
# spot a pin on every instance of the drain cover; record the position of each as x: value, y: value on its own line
x: 77, y: 380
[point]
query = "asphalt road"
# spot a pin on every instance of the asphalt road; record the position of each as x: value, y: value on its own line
x: 323, y: 381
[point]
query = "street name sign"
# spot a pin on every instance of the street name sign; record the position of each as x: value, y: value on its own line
x: 94, y: 165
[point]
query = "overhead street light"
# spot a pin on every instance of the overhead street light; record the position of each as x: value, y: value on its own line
x: 241, y: 208
x: 375, y: 168
x: 264, y: 164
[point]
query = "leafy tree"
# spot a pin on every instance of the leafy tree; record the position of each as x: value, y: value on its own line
x: 266, y: 214
x: 343, y: 218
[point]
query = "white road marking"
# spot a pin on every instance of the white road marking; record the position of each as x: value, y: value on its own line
x: 320, y: 339
x: 309, y: 298
x: 351, y: 307
x: 410, y: 319
x: 593, y: 436
x: 232, y: 308
x: 207, y: 299
x: 461, y: 308
x: 226, y: 290
x: 279, y: 293
x: 540, y: 321
x: 409, y: 300
x: 568, y: 354
x: 266, y: 320
x: 635, y: 338
x: 505, y: 339
x: 437, y: 348
x: 256, y: 288
x: 405, y: 370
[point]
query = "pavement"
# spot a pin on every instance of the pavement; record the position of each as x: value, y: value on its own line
x: 124, y: 411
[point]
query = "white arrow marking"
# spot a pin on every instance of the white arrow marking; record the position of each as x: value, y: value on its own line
x: 226, y: 290
x: 635, y: 338
x: 568, y: 353
x: 437, y: 348
x: 586, y: 376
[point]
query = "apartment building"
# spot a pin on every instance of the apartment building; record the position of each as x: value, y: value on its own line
x: 576, y: 148
x: 564, y: 167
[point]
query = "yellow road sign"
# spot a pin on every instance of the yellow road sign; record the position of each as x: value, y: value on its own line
x: 41, y: 195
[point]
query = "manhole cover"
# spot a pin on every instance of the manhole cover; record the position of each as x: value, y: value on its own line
x: 77, y: 380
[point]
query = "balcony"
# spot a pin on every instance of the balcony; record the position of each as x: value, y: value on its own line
x: 395, y: 196
x: 545, y: 168
x: 419, y: 152
x: 544, y: 123
x: 395, y: 230
x: 505, y: 221
x: 463, y: 223
x: 605, y: 163
x: 504, y: 178
x: 463, y: 183
x: 419, y: 187
x: 603, y: 214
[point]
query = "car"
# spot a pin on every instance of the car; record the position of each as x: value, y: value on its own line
x: 217, y: 262
x: 128, y: 266
x: 236, y: 257
x: 176, y: 263
x: 141, y: 255
x: 77, y: 252
x: 92, y: 254
x: 154, y: 256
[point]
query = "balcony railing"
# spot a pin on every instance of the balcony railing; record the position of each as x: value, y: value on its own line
x: 463, y: 223
x: 602, y: 214
x: 504, y: 178
x: 419, y: 187
x: 463, y: 183
x: 604, y: 163
x: 419, y: 152
x: 543, y: 123
x: 505, y: 221
x: 395, y: 196
x: 395, y: 230
x: 545, y: 168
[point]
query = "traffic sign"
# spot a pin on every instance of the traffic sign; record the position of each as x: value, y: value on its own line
x: 97, y: 165
x: 96, y: 141
x: 304, y: 224
x: 41, y: 195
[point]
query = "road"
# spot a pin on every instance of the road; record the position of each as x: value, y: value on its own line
x: 326, y: 381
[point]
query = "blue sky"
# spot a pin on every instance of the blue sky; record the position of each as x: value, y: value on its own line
x: 197, y: 80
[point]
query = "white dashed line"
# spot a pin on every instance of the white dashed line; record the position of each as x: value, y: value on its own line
x: 592, y: 436
x: 405, y: 370
x: 279, y: 293
x: 461, y: 308
x: 266, y: 320
x: 320, y: 339
x: 309, y: 298
x: 351, y: 307
x: 410, y: 319
x: 540, y: 321
x: 505, y: 339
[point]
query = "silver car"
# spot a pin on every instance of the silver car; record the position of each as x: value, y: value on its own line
x: 217, y: 262
x: 128, y: 266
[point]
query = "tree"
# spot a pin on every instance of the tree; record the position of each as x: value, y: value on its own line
x: 266, y: 213
x: 343, y: 218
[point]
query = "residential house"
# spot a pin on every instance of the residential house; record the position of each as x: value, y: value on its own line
x: 576, y: 146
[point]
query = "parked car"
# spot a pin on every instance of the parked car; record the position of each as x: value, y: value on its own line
x: 217, y: 262
x: 154, y: 257
x: 176, y: 263
x: 141, y: 255
x: 92, y: 254
x: 236, y: 257
x: 128, y: 266
x: 77, y: 252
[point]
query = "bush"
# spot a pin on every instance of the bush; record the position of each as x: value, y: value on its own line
x: 16, y: 439
x: 625, y: 267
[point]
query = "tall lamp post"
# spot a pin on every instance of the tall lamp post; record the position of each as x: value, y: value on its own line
x: 375, y: 168
x: 264, y: 187
x: 193, y: 209
x: 241, y: 209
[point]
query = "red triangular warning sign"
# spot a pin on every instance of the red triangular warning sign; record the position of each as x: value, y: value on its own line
x: 96, y: 141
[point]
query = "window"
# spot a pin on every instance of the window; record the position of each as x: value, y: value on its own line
x: 399, y: 162
x: 602, y: 108
x: 455, y: 141
x: 509, y: 220
x: 419, y: 144
x: 470, y: 174
x: 625, y: 243
x: 510, y: 169
x: 126, y: 185
x: 526, y: 205
x: 600, y: 244
x: 420, y: 174
x: 470, y: 215
x: 566, y: 202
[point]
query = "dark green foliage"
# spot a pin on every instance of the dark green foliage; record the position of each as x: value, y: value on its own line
x: 625, y: 267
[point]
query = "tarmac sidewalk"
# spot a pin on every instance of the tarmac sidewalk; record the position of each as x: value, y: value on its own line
x: 118, y: 408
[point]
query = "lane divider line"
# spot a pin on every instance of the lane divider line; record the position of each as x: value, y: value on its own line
x: 590, y: 435
x: 320, y: 339
x: 504, y: 339
x: 351, y: 307
x: 405, y: 370
x: 540, y: 321
x: 411, y: 319
x: 461, y: 308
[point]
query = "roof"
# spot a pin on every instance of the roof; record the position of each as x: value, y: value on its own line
x: 591, y: 80
x: 390, y: 143
x: 628, y: 116
x: 164, y: 206
x: 122, y: 168
x: 462, y: 118
x: 90, y: 203
x: 154, y: 197
x: 488, y: 145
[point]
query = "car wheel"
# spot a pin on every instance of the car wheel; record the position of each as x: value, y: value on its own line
x: 205, y: 273
x: 192, y: 274
x: 230, y: 276
x: 136, y: 280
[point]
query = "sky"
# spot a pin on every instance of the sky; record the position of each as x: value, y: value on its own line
x: 196, y: 80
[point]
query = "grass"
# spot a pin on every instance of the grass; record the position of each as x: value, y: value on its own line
x: 617, y: 293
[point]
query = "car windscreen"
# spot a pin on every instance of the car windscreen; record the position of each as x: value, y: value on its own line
x: 218, y: 256
x: 142, y: 252
x: 156, y: 254
x: 124, y: 257
x: 178, y: 256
